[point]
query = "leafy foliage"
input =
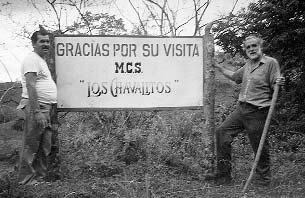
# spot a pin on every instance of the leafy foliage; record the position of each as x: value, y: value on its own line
x: 100, y: 23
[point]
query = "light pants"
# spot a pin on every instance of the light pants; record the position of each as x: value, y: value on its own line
x: 37, y: 142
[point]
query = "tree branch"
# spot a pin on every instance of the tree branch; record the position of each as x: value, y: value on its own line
x: 6, y: 91
x: 73, y: 4
x: 153, y: 15
x: 6, y: 70
x: 139, y: 17
x: 125, y: 17
x: 225, y: 17
x: 166, y: 15
x: 58, y: 16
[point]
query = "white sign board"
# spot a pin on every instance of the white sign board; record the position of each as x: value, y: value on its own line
x: 98, y: 72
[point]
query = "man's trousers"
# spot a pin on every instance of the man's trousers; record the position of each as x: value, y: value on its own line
x: 37, y: 142
x: 248, y: 118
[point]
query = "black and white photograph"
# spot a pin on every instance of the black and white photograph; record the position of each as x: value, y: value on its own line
x: 152, y: 98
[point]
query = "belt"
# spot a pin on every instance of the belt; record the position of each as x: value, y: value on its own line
x: 252, y: 106
x: 25, y: 101
x: 246, y: 104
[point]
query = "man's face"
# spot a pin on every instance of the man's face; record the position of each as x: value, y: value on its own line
x: 42, y: 46
x: 253, y: 49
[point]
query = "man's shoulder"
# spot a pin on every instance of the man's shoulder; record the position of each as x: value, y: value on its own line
x: 30, y: 63
x: 269, y: 59
x: 30, y: 56
x: 30, y: 59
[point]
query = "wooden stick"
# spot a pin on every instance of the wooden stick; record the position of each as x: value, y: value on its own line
x: 264, y: 134
x: 147, y: 184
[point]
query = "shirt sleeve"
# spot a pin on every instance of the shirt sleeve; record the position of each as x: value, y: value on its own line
x: 274, y: 71
x: 238, y: 75
x: 30, y: 64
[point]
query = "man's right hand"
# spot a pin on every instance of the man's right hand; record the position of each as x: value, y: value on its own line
x: 227, y: 73
x: 280, y: 81
x: 41, y: 120
x: 219, y: 67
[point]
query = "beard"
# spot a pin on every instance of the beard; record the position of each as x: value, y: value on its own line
x: 255, y: 56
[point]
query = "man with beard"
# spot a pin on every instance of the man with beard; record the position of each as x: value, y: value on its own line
x: 39, y: 94
x: 257, y: 77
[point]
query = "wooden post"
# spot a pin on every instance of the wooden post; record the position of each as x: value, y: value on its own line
x: 209, y: 92
x: 53, y: 161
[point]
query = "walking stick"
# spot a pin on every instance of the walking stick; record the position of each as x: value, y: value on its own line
x: 264, y: 134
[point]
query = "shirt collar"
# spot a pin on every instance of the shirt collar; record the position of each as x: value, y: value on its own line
x: 261, y: 62
x: 263, y: 59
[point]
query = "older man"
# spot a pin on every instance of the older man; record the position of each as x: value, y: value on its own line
x: 257, y: 77
x: 38, y: 95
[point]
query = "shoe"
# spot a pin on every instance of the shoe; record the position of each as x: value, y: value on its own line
x: 27, y: 179
x: 35, y: 182
x: 32, y: 179
x: 219, y: 179
x: 261, y: 181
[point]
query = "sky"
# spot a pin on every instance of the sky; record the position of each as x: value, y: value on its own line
x: 21, y: 15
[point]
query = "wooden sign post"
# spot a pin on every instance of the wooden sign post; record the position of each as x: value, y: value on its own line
x: 209, y: 93
x: 53, y: 161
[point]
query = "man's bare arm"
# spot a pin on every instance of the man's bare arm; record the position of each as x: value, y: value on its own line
x: 227, y: 73
x: 30, y: 79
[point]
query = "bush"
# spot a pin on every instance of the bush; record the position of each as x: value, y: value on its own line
x: 119, y: 138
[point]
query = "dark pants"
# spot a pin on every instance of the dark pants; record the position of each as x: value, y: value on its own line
x: 251, y: 119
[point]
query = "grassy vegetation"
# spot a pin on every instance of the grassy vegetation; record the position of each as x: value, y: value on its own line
x: 159, y: 154
x: 10, y: 94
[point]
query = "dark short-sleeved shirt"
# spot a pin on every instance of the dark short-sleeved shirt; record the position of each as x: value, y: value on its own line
x: 257, y: 81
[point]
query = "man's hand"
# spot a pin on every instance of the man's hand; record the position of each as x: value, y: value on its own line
x: 227, y: 73
x: 218, y: 66
x: 41, y: 120
x: 280, y: 81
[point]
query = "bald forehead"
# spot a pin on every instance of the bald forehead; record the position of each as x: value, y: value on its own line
x: 252, y: 41
x: 40, y: 37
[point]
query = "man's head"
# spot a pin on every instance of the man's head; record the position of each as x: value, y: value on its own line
x: 41, y: 43
x: 253, y: 47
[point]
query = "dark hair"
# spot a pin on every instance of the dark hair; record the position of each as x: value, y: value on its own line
x: 34, y: 36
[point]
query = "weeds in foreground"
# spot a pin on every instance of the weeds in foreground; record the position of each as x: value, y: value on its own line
x: 158, y: 154
x: 159, y: 158
x: 163, y: 181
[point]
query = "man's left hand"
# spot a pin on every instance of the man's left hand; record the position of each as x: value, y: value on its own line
x: 41, y: 120
x: 280, y: 81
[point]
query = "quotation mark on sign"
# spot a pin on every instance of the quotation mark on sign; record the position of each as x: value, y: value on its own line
x: 81, y: 81
x: 176, y: 81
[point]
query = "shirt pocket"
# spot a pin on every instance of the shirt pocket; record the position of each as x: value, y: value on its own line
x: 259, y: 77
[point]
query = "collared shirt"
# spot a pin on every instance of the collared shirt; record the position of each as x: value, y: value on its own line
x: 257, y: 81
